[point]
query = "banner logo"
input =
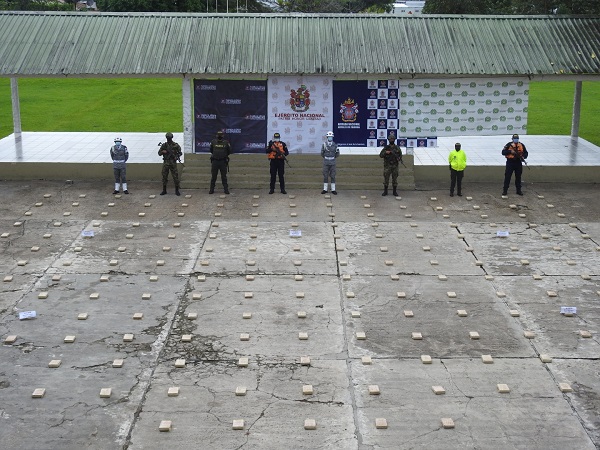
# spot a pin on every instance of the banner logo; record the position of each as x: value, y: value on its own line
x: 349, y: 110
x: 300, y: 99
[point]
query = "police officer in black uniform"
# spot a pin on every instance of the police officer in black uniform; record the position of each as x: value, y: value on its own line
x: 515, y: 153
x: 220, y: 149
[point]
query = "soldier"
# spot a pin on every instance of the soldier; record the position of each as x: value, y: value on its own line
x: 457, y: 161
x: 329, y: 152
x: 220, y: 149
x: 392, y: 156
x: 515, y: 153
x: 171, y: 153
x: 276, y: 152
x: 119, y: 156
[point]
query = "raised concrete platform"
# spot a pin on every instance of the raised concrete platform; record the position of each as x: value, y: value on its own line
x: 196, y: 266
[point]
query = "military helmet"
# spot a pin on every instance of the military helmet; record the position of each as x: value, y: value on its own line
x: 169, y: 135
x: 391, y: 136
x: 329, y: 134
x: 118, y: 139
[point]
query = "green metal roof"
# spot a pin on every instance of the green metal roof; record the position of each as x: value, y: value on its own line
x: 45, y: 44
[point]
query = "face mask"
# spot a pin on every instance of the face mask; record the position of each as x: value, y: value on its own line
x: 276, y: 140
x: 515, y: 141
x: 330, y: 138
x: 117, y: 144
x: 220, y: 138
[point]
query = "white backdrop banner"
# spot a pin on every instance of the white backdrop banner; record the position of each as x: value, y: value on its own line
x: 300, y: 109
x: 463, y: 106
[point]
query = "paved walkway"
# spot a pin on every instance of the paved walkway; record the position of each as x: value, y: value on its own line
x: 235, y: 322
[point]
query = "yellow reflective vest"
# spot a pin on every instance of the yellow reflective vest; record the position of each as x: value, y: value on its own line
x: 458, y: 159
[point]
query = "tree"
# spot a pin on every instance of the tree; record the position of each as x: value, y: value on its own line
x: 332, y: 6
x: 209, y: 6
x: 511, y: 7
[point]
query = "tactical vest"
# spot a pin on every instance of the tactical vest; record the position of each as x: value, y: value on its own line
x: 518, y: 147
x: 220, y: 149
x: 273, y: 153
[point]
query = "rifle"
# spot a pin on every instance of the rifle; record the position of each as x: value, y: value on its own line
x: 171, y: 154
x: 280, y: 153
x: 526, y: 165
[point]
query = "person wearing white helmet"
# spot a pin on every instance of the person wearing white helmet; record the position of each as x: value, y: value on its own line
x: 119, y: 155
x: 329, y: 153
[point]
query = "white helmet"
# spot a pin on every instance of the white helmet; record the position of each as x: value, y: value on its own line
x: 118, y: 139
x: 329, y: 134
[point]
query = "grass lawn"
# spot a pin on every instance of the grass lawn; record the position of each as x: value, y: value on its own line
x: 154, y: 105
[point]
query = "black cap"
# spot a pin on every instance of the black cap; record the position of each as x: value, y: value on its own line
x: 515, y: 136
x: 219, y: 132
x: 276, y: 135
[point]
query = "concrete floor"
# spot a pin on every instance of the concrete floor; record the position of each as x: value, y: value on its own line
x: 383, y: 266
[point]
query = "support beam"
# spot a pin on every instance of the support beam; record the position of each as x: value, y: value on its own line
x: 576, y: 110
x: 186, y: 89
x: 16, y: 108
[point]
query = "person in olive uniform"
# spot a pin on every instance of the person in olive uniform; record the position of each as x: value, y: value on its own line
x: 276, y: 152
x: 457, y: 160
x: 220, y: 149
x: 515, y: 153
x: 392, y: 156
x: 171, y: 153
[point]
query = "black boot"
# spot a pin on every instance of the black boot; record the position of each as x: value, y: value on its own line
x: 212, y: 190
x: 177, y: 191
x: 226, y: 190
x: 395, y: 192
x: 385, y: 191
x: 164, y: 191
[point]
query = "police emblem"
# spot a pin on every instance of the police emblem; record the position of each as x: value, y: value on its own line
x: 300, y: 99
x: 349, y: 110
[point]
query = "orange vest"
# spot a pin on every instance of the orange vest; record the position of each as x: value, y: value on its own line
x: 273, y: 153
x: 518, y: 147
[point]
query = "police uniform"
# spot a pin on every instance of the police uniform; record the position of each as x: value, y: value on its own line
x: 220, y: 149
x: 390, y: 164
x: 457, y: 160
x: 276, y: 151
x: 119, y: 155
x: 329, y: 152
x: 515, y: 153
x: 172, y: 152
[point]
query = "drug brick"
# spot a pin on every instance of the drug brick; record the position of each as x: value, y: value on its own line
x: 297, y: 263
x: 94, y: 296
x: 355, y: 314
x: 164, y: 426
x: 500, y: 294
x: 381, y: 423
x: 366, y: 360
x: 47, y: 235
x: 82, y: 316
x: 127, y: 337
x: 343, y: 262
x: 408, y: 313
x: 17, y: 224
x: 201, y: 278
x: 571, y: 262
x: 529, y: 334
x: 489, y: 277
x: 565, y: 387
x: 447, y: 422
x: 134, y: 224
x: 129, y: 236
x: 172, y: 236
x: 142, y: 214
x: 118, y: 363
x: 473, y: 335
x: 374, y: 389
x: 104, y: 278
x: 307, y: 389
x: 469, y: 249
x: 439, y: 208
x: 442, y: 277
x: 536, y: 276
x: 346, y: 277
x: 476, y: 207
x: 38, y: 204
x: 168, y: 249
x: 56, y: 277
x: 180, y: 363
x: 514, y: 313
x: 361, y: 335
x: 522, y: 216
x: 247, y: 315
x: 67, y: 263
x: 524, y: 262
x: 43, y: 295
x: 298, y: 277
x: 186, y: 338
x: 551, y: 293
x: 105, y: 392
x: 243, y: 362
x: 138, y: 316
x: 401, y: 294
x: 394, y: 277
x: 301, y: 314
x: 113, y: 262
x: 378, y: 235
x: 176, y: 225
x: 310, y: 424
x: 160, y: 262
x: 545, y: 358
x: 426, y: 359
x: 10, y: 339
x: 22, y: 262
x: 173, y: 391
x: 434, y: 262
x: 417, y: 336
x: 240, y: 391
x: 438, y: 390
x: 38, y: 393
x: 585, y: 276
x: 451, y: 294
x: 8, y: 278
x: 561, y: 215
x: 69, y: 339
x: 181, y: 214
x: 121, y: 249
x: 248, y: 295
x: 389, y: 262
x: 305, y: 360
x: 503, y: 388
x: 460, y: 236
x: 408, y: 216
x: 54, y: 364
x: 244, y: 337
x: 299, y: 294
x: 303, y: 336
x: 368, y: 214
x: 296, y: 248
x: 4, y: 235
x: 153, y: 277
x: 383, y: 249
x: 487, y: 359
x: 196, y: 296
x: 479, y: 263
x: 249, y: 277
x: 426, y: 249
x: 585, y: 334
x: 484, y: 216
x: 462, y: 313
x: 375, y: 225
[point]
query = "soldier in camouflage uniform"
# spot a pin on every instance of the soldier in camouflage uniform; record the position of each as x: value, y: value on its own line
x: 392, y: 156
x: 119, y: 155
x: 171, y: 153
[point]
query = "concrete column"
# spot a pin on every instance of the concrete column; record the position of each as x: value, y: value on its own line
x: 16, y: 108
x: 188, y: 107
x: 576, y: 110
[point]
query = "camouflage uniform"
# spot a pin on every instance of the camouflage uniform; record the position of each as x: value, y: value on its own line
x: 170, y: 162
x: 390, y: 165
